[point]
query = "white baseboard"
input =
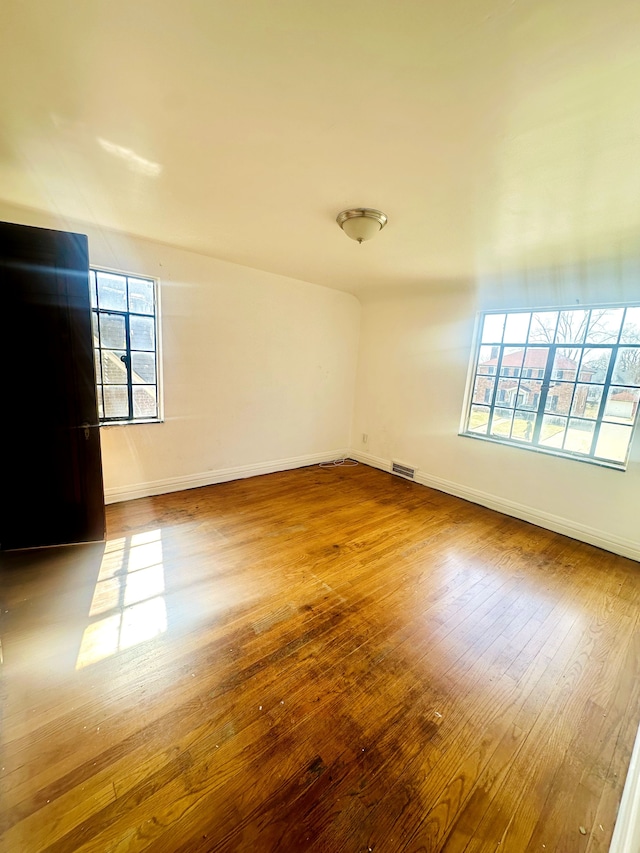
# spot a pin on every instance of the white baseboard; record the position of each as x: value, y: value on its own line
x: 626, y: 835
x: 599, y: 538
x: 368, y: 459
x: 209, y: 478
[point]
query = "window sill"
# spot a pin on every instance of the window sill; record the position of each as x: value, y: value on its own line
x: 107, y: 424
x: 601, y: 463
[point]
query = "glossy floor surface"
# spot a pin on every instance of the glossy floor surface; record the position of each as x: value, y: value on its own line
x: 327, y: 659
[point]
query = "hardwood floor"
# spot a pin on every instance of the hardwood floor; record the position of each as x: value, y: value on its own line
x: 327, y: 659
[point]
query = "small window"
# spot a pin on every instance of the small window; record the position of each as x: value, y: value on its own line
x: 125, y: 335
x: 570, y: 382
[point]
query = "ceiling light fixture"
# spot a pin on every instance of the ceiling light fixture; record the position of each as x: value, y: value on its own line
x: 361, y: 223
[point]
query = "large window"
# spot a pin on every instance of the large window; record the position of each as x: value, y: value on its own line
x: 124, y: 337
x: 565, y: 382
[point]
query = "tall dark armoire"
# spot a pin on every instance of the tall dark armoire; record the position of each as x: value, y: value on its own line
x: 51, y: 468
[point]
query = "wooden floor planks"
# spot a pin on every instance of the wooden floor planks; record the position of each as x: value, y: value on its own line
x: 327, y: 659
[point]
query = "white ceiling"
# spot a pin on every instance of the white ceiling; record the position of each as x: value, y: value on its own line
x: 493, y: 133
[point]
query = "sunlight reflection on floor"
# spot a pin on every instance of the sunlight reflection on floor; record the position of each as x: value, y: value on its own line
x: 128, y: 605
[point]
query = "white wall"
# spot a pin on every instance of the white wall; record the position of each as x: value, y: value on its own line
x: 259, y: 369
x: 413, y: 361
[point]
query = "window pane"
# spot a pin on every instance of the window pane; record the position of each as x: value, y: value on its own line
x: 613, y: 442
x: 523, y: 424
x: 627, y: 367
x: 112, y: 331
x: 604, y: 326
x: 144, y: 401
x: 488, y: 359
x: 142, y: 333
x: 501, y: 422
x: 552, y: 432
x: 594, y: 365
x: 92, y: 289
x: 114, y: 370
x: 479, y: 419
x: 579, y: 437
x: 116, y: 401
x: 143, y: 367
x: 140, y: 296
x: 572, y: 327
x: 100, y: 406
x: 535, y: 362
x: 529, y: 394
x: 96, y: 358
x: 559, y: 398
x: 112, y: 291
x: 516, y: 328
x: 631, y: 328
x: 95, y: 329
x: 492, y: 329
x: 483, y: 389
x: 564, y: 367
x: 507, y: 390
x: 622, y: 405
x: 543, y: 327
x: 512, y: 359
x: 586, y: 401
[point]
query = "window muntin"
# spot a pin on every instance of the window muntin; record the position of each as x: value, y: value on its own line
x: 565, y: 382
x: 124, y: 320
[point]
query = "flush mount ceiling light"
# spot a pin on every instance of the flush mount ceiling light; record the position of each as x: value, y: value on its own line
x: 361, y: 223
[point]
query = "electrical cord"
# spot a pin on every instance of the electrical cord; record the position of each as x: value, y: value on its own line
x: 342, y: 461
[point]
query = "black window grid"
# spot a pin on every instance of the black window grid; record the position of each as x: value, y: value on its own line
x: 548, y: 385
x: 99, y: 313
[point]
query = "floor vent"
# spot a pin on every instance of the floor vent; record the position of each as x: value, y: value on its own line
x: 403, y: 470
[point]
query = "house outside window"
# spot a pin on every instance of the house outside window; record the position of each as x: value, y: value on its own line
x: 565, y: 382
x: 125, y: 340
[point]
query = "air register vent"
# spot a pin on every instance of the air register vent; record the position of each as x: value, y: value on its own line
x: 403, y: 470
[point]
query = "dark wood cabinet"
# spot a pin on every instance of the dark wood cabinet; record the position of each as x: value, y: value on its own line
x: 50, y: 469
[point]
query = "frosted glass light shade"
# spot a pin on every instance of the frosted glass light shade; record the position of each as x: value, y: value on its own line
x: 361, y: 223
